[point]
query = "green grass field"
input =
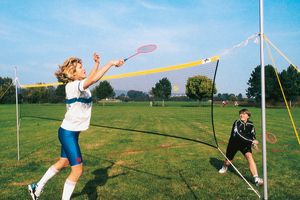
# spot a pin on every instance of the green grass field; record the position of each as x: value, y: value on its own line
x: 133, y: 151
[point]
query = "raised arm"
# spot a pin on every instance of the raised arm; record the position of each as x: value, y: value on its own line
x: 96, y: 58
x: 98, y: 73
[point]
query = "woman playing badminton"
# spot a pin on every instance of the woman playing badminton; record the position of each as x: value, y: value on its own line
x: 77, y: 119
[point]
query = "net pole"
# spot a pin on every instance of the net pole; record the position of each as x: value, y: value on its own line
x: 17, y: 114
x: 263, y: 100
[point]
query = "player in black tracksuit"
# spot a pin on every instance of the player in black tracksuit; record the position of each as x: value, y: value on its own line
x: 241, y: 139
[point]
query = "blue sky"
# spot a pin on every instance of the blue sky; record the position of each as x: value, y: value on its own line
x: 37, y: 35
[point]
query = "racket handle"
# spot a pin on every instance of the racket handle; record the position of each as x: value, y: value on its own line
x: 125, y: 59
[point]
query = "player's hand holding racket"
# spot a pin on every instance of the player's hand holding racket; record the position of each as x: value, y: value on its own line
x: 117, y: 63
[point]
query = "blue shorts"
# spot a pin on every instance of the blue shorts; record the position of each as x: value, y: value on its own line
x: 69, y: 146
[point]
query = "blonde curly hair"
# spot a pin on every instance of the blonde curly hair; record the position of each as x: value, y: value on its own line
x: 66, y: 71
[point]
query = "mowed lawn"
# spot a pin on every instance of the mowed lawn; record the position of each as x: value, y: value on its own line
x: 133, y: 151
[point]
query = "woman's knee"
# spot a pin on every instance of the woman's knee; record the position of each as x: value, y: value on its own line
x: 77, y: 170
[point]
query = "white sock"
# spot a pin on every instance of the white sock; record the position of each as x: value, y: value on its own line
x: 47, y: 176
x: 68, y: 189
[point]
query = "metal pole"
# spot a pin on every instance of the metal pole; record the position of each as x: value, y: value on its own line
x: 263, y: 101
x: 17, y: 113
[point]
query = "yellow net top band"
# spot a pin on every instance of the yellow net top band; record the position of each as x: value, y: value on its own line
x: 139, y: 73
x: 41, y: 85
x: 163, y: 69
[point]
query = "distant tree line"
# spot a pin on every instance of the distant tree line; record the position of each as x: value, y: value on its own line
x: 229, y: 97
x: 197, y: 88
x: 48, y: 94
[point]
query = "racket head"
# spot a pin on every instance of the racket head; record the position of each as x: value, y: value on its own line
x: 146, y: 48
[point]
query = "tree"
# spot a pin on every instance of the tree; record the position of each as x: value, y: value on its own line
x: 200, y: 87
x: 219, y: 97
x: 47, y: 94
x: 104, y: 90
x: 162, y: 89
x: 232, y: 97
x: 60, y: 94
x: 290, y: 80
x: 7, y: 90
x: 137, y: 95
x: 272, y: 88
x: 123, y: 97
x: 38, y: 95
x: 240, y: 97
x: 225, y: 97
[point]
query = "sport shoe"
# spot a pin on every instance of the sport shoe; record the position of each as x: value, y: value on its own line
x: 223, y: 169
x: 258, y: 181
x: 32, y: 188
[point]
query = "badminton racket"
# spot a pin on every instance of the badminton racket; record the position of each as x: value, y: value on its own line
x: 143, y: 49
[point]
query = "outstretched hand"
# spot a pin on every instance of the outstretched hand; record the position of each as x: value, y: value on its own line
x: 96, y: 58
x: 117, y: 63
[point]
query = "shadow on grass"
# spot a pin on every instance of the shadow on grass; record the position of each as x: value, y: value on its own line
x: 129, y: 168
x: 154, y: 133
x: 217, y: 163
x: 188, y: 185
x: 134, y: 130
x: 100, y: 179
